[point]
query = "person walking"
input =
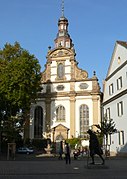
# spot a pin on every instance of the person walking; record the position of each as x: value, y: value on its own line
x: 94, y: 147
x: 67, y: 152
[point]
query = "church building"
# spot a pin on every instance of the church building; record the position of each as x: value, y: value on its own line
x: 70, y: 102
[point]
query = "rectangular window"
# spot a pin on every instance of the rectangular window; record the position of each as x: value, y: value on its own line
x: 121, y: 137
x: 120, y: 108
x: 109, y: 139
x: 67, y: 44
x: 108, y: 113
x: 111, y: 89
x: 119, y: 83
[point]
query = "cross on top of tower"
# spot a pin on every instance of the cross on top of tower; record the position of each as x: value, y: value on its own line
x: 62, y: 8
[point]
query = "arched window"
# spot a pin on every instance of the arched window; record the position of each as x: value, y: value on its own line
x: 60, y: 113
x: 38, y: 122
x: 84, y: 119
x: 60, y: 70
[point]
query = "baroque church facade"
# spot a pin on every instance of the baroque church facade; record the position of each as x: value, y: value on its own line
x: 70, y: 102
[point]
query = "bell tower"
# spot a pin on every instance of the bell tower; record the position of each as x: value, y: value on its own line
x: 63, y: 38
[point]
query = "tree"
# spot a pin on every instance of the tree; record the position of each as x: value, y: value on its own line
x: 107, y: 127
x: 20, y: 81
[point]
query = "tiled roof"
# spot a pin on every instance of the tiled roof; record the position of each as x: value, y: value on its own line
x: 123, y: 43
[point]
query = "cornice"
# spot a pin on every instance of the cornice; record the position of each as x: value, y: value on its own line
x: 66, y: 94
x: 118, y: 69
x: 115, y: 97
x: 71, y: 80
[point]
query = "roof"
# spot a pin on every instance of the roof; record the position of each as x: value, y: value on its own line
x: 63, y: 18
x: 123, y: 43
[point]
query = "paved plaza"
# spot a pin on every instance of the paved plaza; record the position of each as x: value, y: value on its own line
x: 52, y: 168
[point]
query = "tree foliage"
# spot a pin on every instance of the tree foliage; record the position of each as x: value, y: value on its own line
x: 20, y: 79
x: 107, y: 127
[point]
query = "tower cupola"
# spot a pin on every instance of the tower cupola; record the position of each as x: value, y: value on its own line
x: 63, y: 38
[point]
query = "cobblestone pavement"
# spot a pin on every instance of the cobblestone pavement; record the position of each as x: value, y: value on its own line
x: 52, y: 168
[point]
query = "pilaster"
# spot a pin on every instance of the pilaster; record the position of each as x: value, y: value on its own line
x: 72, y: 116
x: 96, y: 115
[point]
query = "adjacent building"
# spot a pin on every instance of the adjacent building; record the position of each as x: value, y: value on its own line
x: 70, y: 101
x: 115, y: 97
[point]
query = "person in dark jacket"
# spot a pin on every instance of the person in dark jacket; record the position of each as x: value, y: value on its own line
x: 67, y: 151
x: 94, y: 146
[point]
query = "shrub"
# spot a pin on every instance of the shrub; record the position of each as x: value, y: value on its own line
x: 73, y: 142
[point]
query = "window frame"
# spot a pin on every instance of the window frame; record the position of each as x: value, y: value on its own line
x: 59, y: 74
x: 119, y: 83
x: 121, y: 137
x: 111, y: 89
x: 120, y: 108
x: 108, y: 113
x: 60, y: 114
x: 84, y: 119
x: 38, y: 122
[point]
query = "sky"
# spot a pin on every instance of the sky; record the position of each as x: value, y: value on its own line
x: 94, y: 26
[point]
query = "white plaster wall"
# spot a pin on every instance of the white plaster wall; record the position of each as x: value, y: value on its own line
x: 121, y: 123
x: 77, y: 84
x: 99, y: 109
x: 53, y: 78
x: 68, y: 76
x: 66, y: 87
x: 53, y: 64
x: 67, y: 62
x: 68, y: 69
x: 54, y: 87
x: 53, y: 70
x: 53, y: 67
x: 55, y: 103
x: 123, y: 73
x: 121, y: 52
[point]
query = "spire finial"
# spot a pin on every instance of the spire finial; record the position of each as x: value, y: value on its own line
x: 62, y: 8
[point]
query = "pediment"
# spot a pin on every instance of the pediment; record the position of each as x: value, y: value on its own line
x: 60, y: 52
x: 60, y: 127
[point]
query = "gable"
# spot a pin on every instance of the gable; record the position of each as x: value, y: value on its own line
x: 61, y: 127
x: 60, y: 52
x: 119, y: 56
